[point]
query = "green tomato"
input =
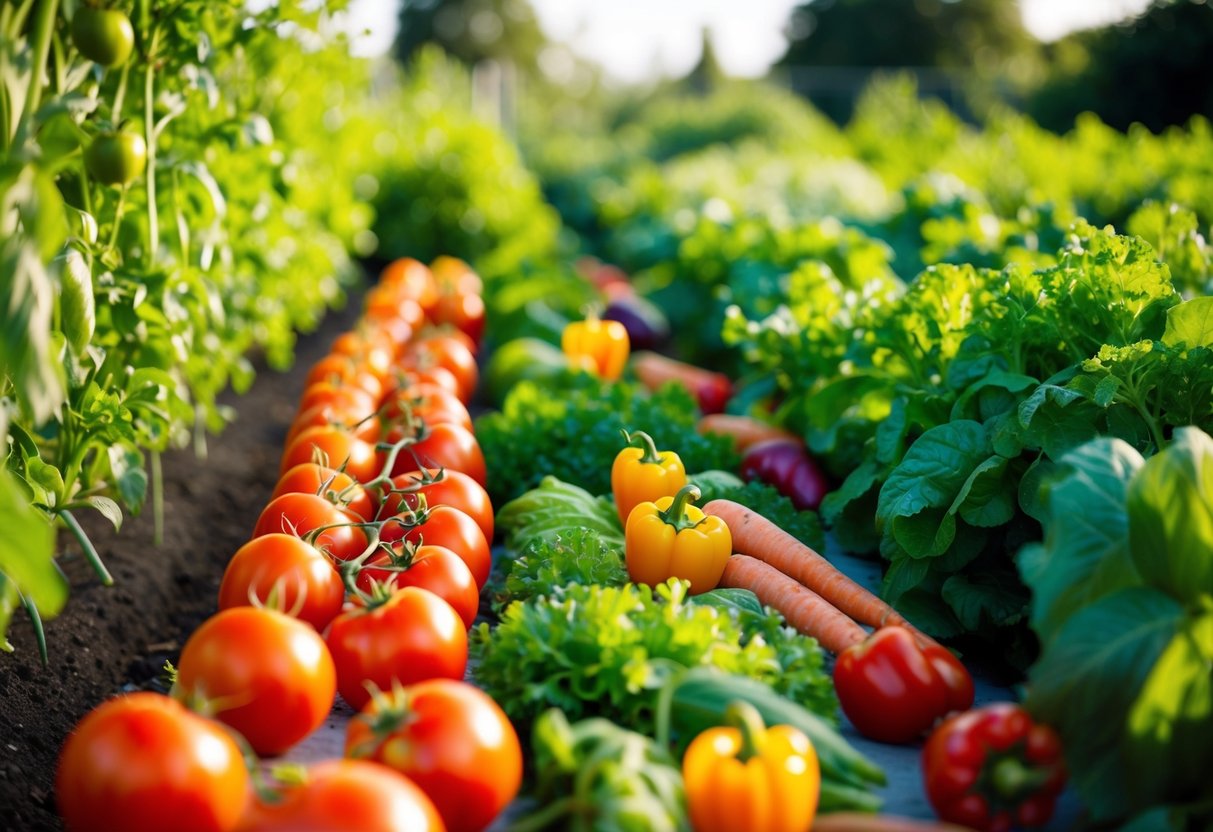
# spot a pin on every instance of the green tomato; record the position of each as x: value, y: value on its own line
x: 115, y: 158
x: 103, y: 35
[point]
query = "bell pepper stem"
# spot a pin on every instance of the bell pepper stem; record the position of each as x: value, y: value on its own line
x: 676, y: 514
x: 1013, y: 780
x: 642, y: 440
x: 745, y: 718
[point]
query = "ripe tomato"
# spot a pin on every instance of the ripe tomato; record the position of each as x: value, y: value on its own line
x: 372, y: 349
x: 335, y: 486
x: 103, y: 35
x: 437, y: 376
x: 449, y: 527
x: 443, y: 445
x: 353, y: 400
x: 265, y: 674
x: 413, y: 636
x: 345, y: 371
x: 338, y: 449
x: 300, y: 514
x: 366, y: 427
x: 449, y: 738
x: 427, y: 402
x: 410, y: 278
x: 454, y: 274
x: 445, y: 351
x: 442, y: 487
x: 435, y: 568
x: 383, y: 306
x: 302, y: 580
x: 116, y: 157
x: 343, y: 795
x: 463, y: 311
x: 143, y: 763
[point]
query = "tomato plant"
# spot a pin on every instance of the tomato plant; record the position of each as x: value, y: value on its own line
x: 335, y: 486
x: 267, y: 675
x: 434, y: 568
x: 116, y: 157
x: 328, y: 527
x: 450, y: 352
x: 441, y: 487
x: 411, y: 636
x: 444, y: 445
x: 449, y: 527
x: 103, y: 35
x: 143, y: 763
x: 427, y: 403
x: 449, y: 738
x: 336, y: 447
x: 282, y: 572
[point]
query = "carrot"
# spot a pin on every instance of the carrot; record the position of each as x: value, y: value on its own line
x: 713, y: 390
x: 803, y: 608
x: 861, y: 822
x: 758, y: 537
x: 743, y: 430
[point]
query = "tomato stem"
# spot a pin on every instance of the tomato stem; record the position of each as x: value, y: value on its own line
x: 44, y: 27
x: 35, y: 620
x: 90, y: 551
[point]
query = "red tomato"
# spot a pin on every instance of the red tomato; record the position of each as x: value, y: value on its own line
x: 303, y: 581
x: 449, y: 738
x: 435, y: 568
x: 463, y: 311
x: 336, y: 448
x: 143, y: 763
x: 411, y: 637
x: 446, y: 351
x: 427, y: 402
x: 344, y: 371
x: 441, y: 446
x: 453, y: 273
x: 345, y: 795
x: 372, y: 349
x: 300, y: 514
x: 352, y: 400
x: 410, y: 278
x: 335, y: 486
x: 365, y: 426
x: 442, y: 487
x: 265, y: 674
x: 449, y: 527
x: 383, y: 306
x: 437, y: 376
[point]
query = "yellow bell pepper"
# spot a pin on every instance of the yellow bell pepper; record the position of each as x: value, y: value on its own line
x: 671, y: 539
x: 746, y: 776
x: 601, y: 347
x: 642, y: 474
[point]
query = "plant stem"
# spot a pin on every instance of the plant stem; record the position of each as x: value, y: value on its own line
x: 35, y: 618
x: 113, y: 240
x: 44, y: 26
x: 157, y: 500
x: 149, y: 128
x: 90, y: 551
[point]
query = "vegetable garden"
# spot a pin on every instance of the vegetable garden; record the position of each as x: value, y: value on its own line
x: 707, y: 466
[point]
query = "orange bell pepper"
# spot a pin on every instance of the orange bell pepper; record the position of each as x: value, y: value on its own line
x: 746, y: 776
x: 601, y: 347
x: 642, y: 474
x: 671, y: 539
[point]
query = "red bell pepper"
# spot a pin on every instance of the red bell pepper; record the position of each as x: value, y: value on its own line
x: 994, y: 768
x: 893, y: 690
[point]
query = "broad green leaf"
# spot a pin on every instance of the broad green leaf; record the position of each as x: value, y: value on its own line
x: 1190, y: 323
x: 10, y: 599
x: 1086, y: 553
x: 1170, y: 736
x: 928, y: 612
x: 1170, y: 504
x: 27, y: 549
x: 987, y: 498
x: 42, y: 475
x: 109, y: 509
x: 933, y: 470
x: 928, y: 533
x: 130, y: 478
x: 992, y: 599
x: 1087, y: 679
x: 998, y: 380
x: 903, y: 575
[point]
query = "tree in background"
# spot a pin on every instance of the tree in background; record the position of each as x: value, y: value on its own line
x: 472, y: 30
x: 1156, y: 69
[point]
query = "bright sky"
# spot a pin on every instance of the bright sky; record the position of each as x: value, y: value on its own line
x: 633, y: 39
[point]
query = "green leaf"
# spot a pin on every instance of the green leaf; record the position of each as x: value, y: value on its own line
x: 933, y: 470
x: 904, y: 574
x: 10, y: 599
x: 1170, y: 505
x: 45, y: 478
x: 926, y: 534
x: 27, y: 549
x: 981, y: 599
x: 109, y: 509
x: 998, y: 380
x: 1088, y: 678
x: 987, y: 498
x: 1086, y: 550
x: 1190, y: 323
x: 130, y: 478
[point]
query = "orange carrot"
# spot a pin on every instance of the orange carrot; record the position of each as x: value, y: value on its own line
x: 758, y: 537
x: 743, y: 430
x: 713, y: 390
x: 861, y: 822
x: 803, y: 608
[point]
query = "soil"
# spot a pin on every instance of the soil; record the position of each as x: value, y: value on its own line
x: 110, y: 639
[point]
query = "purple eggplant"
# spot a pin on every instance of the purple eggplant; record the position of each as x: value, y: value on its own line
x: 786, y: 466
x: 647, y: 326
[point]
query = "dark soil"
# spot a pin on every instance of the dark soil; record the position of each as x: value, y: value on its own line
x: 112, y: 639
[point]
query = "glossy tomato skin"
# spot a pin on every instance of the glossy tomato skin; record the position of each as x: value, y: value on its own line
x: 336, y: 447
x: 429, y: 403
x: 449, y: 738
x: 888, y: 689
x: 143, y: 763
x: 410, y: 278
x: 450, y: 352
x: 302, y: 581
x: 335, y: 486
x: 439, y: 377
x: 116, y: 157
x: 348, y: 795
x: 435, y: 568
x: 462, y: 310
x: 105, y: 36
x: 366, y: 427
x: 449, y: 488
x: 300, y: 514
x: 267, y: 675
x: 442, y: 446
x: 449, y: 527
x: 343, y: 370
x: 413, y: 636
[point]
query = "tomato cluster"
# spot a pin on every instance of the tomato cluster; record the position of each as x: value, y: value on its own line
x: 362, y: 577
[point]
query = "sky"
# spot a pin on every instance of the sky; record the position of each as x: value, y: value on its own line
x: 634, y: 39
